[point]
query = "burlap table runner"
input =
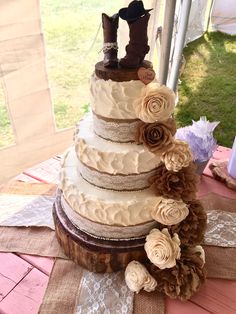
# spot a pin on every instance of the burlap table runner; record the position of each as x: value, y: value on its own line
x: 43, y: 242
x: 63, y: 293
x: 63, y: 288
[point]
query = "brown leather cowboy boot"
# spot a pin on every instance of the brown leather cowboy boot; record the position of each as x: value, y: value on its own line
x: 138, y: 43
x: 110, y: 48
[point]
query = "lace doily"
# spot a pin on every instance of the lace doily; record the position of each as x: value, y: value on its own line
x: 104, y: 294
x: 221, y: 229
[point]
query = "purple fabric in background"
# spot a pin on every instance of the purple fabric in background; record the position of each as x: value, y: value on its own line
x: 200, y: 138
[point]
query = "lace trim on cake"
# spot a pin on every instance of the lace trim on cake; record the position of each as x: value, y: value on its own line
x: 104, y: 294
x: 106, y: 232
x: 121, y: 132
x: 221, y: 229
x: 109, y: 46
x: 116, y: 182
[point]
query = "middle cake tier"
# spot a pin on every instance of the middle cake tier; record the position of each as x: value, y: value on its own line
x: 101, y: 205
x: 111, y: 165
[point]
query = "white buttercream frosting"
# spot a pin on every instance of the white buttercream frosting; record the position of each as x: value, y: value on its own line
x: 98, y: 230
x: 110, y: 157
x: 114, y: 99
x: 100, y: 205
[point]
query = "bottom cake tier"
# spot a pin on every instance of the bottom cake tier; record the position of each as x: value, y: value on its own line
x: 96, y: 255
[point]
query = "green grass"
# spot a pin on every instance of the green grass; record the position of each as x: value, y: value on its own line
x: 208, y: 85
x: 70, y: 29
x: 6, y: 132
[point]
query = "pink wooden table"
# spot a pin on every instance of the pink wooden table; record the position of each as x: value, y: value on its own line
x: 24, y: 278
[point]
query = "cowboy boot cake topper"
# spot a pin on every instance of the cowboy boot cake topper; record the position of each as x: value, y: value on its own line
x: 137, y: 18
x: 110, y: 47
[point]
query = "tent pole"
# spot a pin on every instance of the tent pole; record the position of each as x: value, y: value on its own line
x: 166, y: 39
x: 180, y: 41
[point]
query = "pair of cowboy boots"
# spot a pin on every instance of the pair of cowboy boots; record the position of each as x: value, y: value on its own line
x: 138, y: 43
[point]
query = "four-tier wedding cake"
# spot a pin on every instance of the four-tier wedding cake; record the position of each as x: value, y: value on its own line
x: 127, y: 191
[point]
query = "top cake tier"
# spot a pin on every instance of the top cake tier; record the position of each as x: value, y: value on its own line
x: 114, y: 100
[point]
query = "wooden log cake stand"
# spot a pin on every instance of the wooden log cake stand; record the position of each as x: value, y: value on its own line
x: 120, y: 74
x: 95, y: 254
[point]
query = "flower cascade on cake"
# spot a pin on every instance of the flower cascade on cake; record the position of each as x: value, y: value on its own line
x: 128, y: 186
x: 176, y: 259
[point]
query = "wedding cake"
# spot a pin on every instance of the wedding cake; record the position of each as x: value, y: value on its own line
x: 127, y: 192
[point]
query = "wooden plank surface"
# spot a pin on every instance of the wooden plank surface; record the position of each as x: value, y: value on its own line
x: 178, y: 307
x: 44, y: 264
x: 45, y: 172
x: 209, y: 185
x: 217, y: 296
x: 12, y: 270
x: 27, y: 296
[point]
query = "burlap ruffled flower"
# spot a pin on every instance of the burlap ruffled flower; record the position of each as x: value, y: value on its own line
x: 170, y: 212
x: 137, y: 277
x: 162, y: 249
x: 199, y: 251
x: 155, y: 104
x: 158, y: 136
x: 184, y: 279
x: 178, y: 156
x: 177, y: 185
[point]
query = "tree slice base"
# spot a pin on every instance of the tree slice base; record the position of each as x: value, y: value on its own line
x: 96, y: 255
x: 220, y: 172
x: 119, y: 74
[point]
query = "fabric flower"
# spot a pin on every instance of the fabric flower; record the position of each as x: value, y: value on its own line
x: 158, y: 136
x: 199, y: 251
x: 156, y: 103
x: 170, y: 212
x: 137, y: 277
x: 176, y: 185
x: 177, y: 157
x: 183, y: 280
x: 191, y: 230
x: 161, y: 249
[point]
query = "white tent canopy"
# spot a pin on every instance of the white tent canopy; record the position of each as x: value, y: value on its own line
x: 223, y: 16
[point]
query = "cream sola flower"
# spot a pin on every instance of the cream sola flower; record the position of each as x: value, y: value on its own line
x: 162, y: 249
x: 170, y: 212
x: 137, y: 277
x: 156, y: 103
x: 177, y: 157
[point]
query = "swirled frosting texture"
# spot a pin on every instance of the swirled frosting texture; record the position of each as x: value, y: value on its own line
x: 99, y: 205
x: 109, y: 157
x: 114, y: 99
x: 98, y: 230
